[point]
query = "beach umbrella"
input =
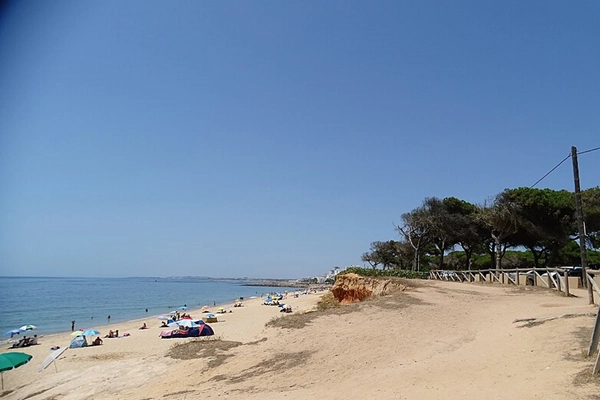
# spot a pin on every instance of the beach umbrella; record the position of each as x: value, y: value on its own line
x: 52, y: 357
x: 187, y: 323
x: 77, y: 333
x: 90, y: 332
x: 12, y: 360
x: 183, y: 308
x: 28, y: 327
x: 13, y: 332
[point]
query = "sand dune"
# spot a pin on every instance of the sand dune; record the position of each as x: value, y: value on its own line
x: 440, y: 340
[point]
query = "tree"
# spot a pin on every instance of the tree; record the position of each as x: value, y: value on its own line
x: 371, y: 257
x: 590, y: 200
x: 441, y: 225
x: 390, y: 254
x: 415, y: 231
x: 469, y: 234
x: 540, y: 220
x: 500, y: 219
x: 545, y: 221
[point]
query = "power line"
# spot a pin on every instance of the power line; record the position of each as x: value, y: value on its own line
x: 552, y: 170
x: 588, y: 151
x: 558, y: 165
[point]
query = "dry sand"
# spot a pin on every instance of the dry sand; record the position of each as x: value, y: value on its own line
x: 441, y: 340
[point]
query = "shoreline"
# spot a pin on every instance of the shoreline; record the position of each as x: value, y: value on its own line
x: 243, y: 324
x: 445, y: 339
x: 106, y: 326
x: 89, y: 301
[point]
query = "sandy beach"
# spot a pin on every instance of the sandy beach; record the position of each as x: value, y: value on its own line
x: 439, y: 340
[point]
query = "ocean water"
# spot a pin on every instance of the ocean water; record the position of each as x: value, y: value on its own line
x: 52, y: 303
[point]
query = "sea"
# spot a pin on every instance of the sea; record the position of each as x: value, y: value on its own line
x: 52, y: 303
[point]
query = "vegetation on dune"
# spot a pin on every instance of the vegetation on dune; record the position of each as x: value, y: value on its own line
x: 396, y: 273
x: 523, y: 227
x: 327, y: 302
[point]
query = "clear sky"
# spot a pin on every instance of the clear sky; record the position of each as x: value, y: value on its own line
x: 275, y: 138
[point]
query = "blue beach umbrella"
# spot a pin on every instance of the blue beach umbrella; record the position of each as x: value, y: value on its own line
x: 13, y: 332
x: 183, y: 308
x: 188, y: 323
x: 90, y: 332
x: 28, y: 327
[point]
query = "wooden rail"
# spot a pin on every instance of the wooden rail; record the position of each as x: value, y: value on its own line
x: 552, y: 278
x: 592, y: 285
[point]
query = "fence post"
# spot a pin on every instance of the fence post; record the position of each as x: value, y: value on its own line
x: 589, y: 278
x: 595, y: 334
x: 566, y: 284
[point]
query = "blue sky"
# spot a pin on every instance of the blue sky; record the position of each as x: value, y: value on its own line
x: 274, y: 139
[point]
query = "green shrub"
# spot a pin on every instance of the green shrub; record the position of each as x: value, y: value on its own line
x: 398, y: 273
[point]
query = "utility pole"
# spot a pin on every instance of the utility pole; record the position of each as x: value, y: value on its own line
x: 580, y: 228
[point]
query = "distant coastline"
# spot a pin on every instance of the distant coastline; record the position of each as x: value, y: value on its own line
x: 258, y: 282
x: 277, y: 283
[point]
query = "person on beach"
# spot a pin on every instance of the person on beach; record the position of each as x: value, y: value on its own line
x: 20, y: 343
x: 144, y: 326
x: 109, y: 318
x: 73, y: 326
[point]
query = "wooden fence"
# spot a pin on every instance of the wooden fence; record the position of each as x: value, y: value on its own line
x: 546, y: 277
x: 552, y: 278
